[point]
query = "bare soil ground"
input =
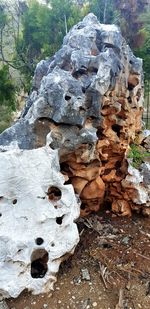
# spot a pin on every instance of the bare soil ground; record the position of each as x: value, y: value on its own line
x: 109, y: 270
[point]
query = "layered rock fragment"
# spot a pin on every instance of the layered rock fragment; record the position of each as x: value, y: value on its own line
x: 88, y: 100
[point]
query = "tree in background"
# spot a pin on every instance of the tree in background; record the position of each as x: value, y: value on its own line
x: 144, y: 50
x: 130, y: 21
x: 7, y: 89
x: 38, y: 29
x: 105, y: 10
x: 44, y: 26
x: 43, y: 30
x: 8, y: 34
x: 7, y: 97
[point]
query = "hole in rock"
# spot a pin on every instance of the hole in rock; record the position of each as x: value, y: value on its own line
x: 79, y: 73
x: 119, y: 173
x: 93, y: 70
x: 14, y: 201
x: 1, y: 197
x: 41, y: 197
x: 39, y: 241
x: 107, y: 205
x: 116, y: 128
x: 99, y: 133
x: 39, y: 259
x: 67, y: 141
x: 117, y: 165
x: 92, y: 117
x: 19, y: 250
x: 68, y: 182
x: 0, y: 215
x: 83, y: 206
x: 83, y: 89
x: 52, y: 244
x: 82, y: 109
x: 59, y: 220
x: 67, y: 97
x: 130, y: 87
x: 129, y: 100
x: 44, y: 119
x: 64, y: 167
x: 54, y: 194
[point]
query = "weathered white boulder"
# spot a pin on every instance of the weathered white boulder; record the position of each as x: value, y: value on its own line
x: 133, y: 182
x: 37, y: 213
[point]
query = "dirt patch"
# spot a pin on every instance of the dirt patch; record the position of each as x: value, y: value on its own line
x: 113, y: 255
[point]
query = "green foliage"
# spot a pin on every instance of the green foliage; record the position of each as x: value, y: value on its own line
x: 3, y: 18
x: 43, y: 29
x: 144, y: 50
x: 7, y: 98
x: 130, y: 22
x: 137, y: 155
x: 5, y: 117
x: 7, y: 89
x: 31, y: 40
x: 105, y: 11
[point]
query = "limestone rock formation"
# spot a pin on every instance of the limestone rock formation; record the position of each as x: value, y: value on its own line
x: 37, y: 213
x: 88, y: 100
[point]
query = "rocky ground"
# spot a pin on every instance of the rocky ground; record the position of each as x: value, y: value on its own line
x: 109, y: 270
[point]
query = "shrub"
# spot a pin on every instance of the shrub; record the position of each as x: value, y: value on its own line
x: 137, y: 155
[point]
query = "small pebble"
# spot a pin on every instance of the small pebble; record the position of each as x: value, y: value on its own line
x: 73, y: 297
x: 49, y: 295
x: 125, y: 240
x: 85, y: 274
x: 45, y: 305
x: 77, y: 280
x: 94, y: 304
x: 59, y: 301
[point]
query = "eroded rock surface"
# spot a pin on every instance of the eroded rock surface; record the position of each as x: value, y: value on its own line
x: 88, y: 97
x: 37, y: 213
